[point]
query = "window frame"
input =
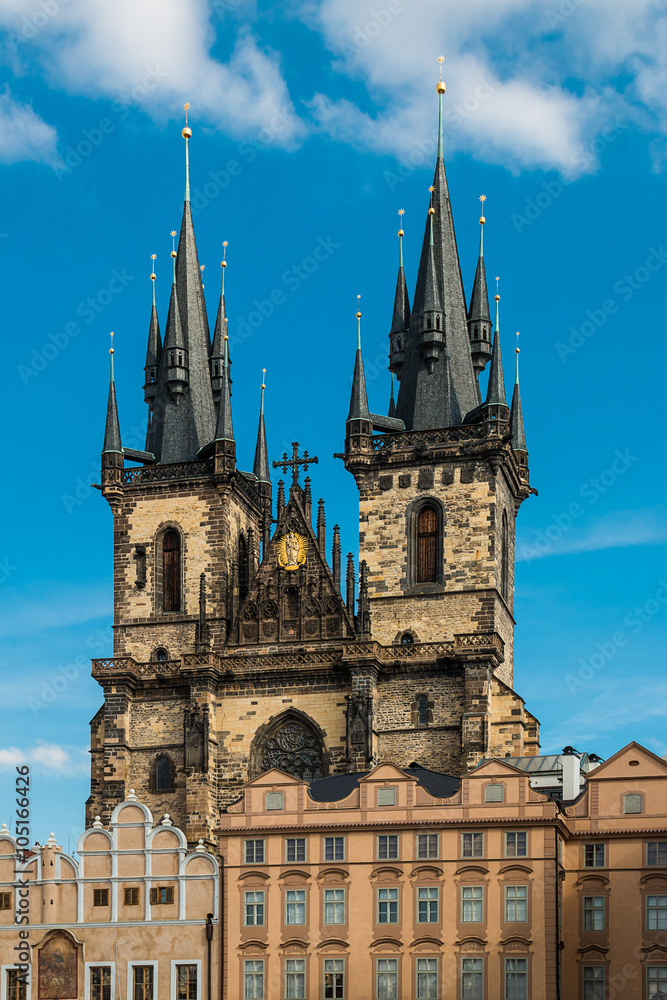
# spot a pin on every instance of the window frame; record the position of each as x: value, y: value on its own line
x: 429, y: 900
x: 6, y: 902
x: 473, y: 834
x: 593, y: 981
x: 462, y: 972
x: 131, y: 892
x: 526, y: 971
x: 636, y: 797
x: 494, y: 785
x: 396, y: 971
x: 658, y: 909
x: 388, y: 902
x: 659, y: 978
x: 295, y: 972
x: 175, y: 595
x: 88, y: 978
x: 413, y: 513
x: 387, y: 837
x: 594, y: 846
x: 333, y: 972
x: 390, y: 793
x: 657, y: 844
x: 472, y: 900
x: 298, y: 846
x: 427, y: 995
x: 515, y: 833
x: 255, y: 903
x: 254, y: 972
x: 175, y: 962
x: 592, y: 911
x: 163, y: 757
x: 278, y: 798
x: 335, y: 846
x: 253, y: 840
x: 428, y: 856
x: 101, y: 897
x: 295, y: 903
x: 131, y: 965
x: 335, y: 904
x: 515, y: 900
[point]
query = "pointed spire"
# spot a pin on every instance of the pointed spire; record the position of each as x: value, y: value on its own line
x: 335, y: 557
x: 516, y: 412
x: 219, y: 332
x: 479, y: 319
x: 400, y: 322
x: 495, y: 393
x: 261, y: 465
x: 280, y: 503
x: 358, y: 397
x: 350, y: 585
x: 153, y: 348
x: 321, y: 528
x: 224, y: 430
x: 112, y: 427
x: 392, y: 402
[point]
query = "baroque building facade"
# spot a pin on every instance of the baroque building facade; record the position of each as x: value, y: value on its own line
x: 240, y: 641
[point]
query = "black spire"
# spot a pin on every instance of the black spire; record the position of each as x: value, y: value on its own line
x: 495, y: 393
x: 424, y: 400
x: 153, y: 352
x: 224, y: 430
x: 261, y: 465
x: 516, y: 418
x: 479, y: 318
x: 184, y: 413
x: 218, y: 336
x: 400, y: 322
x: 431, y: 320
x: 112, y: 443
x: 358, y: 397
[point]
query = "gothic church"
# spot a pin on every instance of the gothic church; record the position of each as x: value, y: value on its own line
x: 240, y: 641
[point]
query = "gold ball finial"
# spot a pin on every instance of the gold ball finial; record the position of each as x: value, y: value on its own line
x: 482, y: 220
x: 187, y: 133
x: 440, y: 87
x: 358, y: 315
x: 153, y: 276
x: 517, y: 350
x: 431, y: 211
x: 111, y: 350
x: 497, y: 298
x: 223, y: 263
x: 173, y: 253
x: 401, y: 233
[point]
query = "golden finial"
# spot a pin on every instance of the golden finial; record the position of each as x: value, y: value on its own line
x: 263, y: 378
x: 153, y: 258
x: 111, y: 350
x: 517, y: 348
x: 497, y: 296
x: 223, y: 262
x: 187, y: 132
x: 482, y: 198
x: 202, y: 268
x: 431, y: 210
x: 401, y: 212
x: 173, y: 242
x: 440, y: 87
x: 358, y: 304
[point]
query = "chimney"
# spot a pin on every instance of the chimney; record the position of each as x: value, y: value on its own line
x: 571, y: 773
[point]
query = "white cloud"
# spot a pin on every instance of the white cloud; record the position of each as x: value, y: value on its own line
x: 54, y: 605
x: 526, y: 86
x: 23, y: 134
x: 47, y: 758
x: 156, y: 55
x: 619, y: 529
x: 620, y: 704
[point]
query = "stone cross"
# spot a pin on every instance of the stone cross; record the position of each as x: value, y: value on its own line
x: 294, y: 462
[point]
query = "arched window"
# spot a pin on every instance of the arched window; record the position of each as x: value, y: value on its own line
x: 171, y: 571
x: 292, y: 746
x: 504, y: 558
x: 422, y: 710
x: 163, y: 774
x: 427, y: 536
x: 407, y: 639
x: 161, y: 655
x: 244, y: 569
x: 632, y: 803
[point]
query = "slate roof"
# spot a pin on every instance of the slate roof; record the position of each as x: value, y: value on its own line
x: 339, y: 786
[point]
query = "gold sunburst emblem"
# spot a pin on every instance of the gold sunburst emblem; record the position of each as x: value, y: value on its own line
x: 292, y: 550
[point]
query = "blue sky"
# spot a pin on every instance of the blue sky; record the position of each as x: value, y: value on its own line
x: 313, y: 124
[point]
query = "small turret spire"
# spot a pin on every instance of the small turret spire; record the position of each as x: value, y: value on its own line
x: 187, y: 135
x: 261, y: 464
x: 479, y: 318
x: 112, y: 443
x: 153, y: 349
x: 224, y: 430
x: 495, y: 394
x: 516, y: 416
x: 392, y: 401
x: 400, y: 322
x: 358, y: 397
x: 219, y: 332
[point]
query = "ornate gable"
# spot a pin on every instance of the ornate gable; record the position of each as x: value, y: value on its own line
x: 293, y: 597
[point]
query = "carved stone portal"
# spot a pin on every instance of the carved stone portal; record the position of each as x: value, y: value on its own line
x: 295, y: 750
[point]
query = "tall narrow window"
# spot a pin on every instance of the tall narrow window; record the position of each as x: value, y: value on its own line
x: 422, y: 710
x: 17, y: 988
x: 171, y: 571
x: 244, y: 569
x: 162, y: 775
x: 427, y: 535
x: 504, y: 558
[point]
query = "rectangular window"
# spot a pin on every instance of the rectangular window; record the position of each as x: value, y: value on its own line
x: 388, y: 847
x: 472, y: 845
x: 334, y: 906
x: 594, y: 982
x: 656, y: 981
x: 427, y: 846
x: 516, y: 903
x: 16, y: 988
x: 472, y: 904
x: 386, y: 979
x: 594, y: 855
x: 295, y: 978
x: 142, y: 980
x: 274, y: 800
x: 100, y: 897
x: 295, y: 849
x: 472, y: 978
x: 334, y: 982
x: 427, y: 904
x: 163, y: 894
x: 334, y: 848
x: 387, y: 906
x: 186, y: 982
x: 5, y: 900
x: 253, y: 980
x: 295, y: 906
x: 427, y: 979
x: 131, y: 897
x: 253, y: 909
x: 494, y: 793
x: 386, y: 796
x: 516, y: 844
x: 100, y: 982
x: 656, y: 852
x: 656, y: 913
x: 593, y: 913
x: 254, y: 852
x: 516, y: 979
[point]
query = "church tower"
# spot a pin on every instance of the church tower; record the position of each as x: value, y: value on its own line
x: 240, y: 642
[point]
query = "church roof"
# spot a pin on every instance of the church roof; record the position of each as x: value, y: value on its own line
x: 339, y: 786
